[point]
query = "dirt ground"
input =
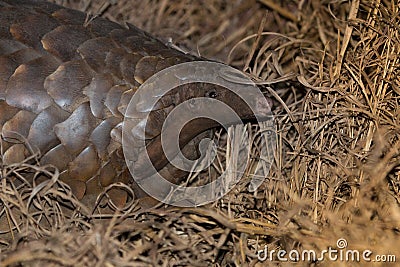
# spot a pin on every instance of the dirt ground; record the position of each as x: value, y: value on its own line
x: 332, y: 69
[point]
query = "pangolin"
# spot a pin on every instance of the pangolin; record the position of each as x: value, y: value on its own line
x: 65, y: 81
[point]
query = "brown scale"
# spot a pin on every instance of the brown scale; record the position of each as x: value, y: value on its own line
x: 65, y: 82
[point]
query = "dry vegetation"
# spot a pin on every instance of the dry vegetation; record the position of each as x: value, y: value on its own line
x: 332, y: 68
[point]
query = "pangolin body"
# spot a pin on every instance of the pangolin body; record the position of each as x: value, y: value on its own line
x: 65, y: 81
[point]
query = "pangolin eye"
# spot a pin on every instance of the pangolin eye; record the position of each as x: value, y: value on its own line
x: 212, y: 94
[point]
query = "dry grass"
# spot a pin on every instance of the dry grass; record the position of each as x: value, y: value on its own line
x: 332, y: 68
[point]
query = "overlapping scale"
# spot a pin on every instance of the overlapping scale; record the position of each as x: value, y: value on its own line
x: 65, y: 85
x: 75, y: 131
x: 25, y: 88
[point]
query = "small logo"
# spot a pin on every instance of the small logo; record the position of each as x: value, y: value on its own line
x: 341, y: 243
